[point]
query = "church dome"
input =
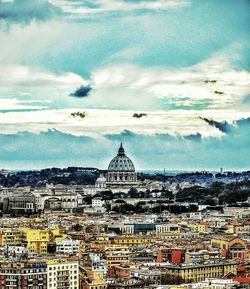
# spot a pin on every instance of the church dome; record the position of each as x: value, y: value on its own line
x: 101, y: 179
x: 121, y: 162
x: 100, y: 182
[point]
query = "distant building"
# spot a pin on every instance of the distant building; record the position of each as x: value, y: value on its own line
x: 197, y: 272
x: 101, y: 182
x: 97, y: 202
x: 121, y: 171
x: 171, y: 255
x: 68, y: 247
x: 23, y: 204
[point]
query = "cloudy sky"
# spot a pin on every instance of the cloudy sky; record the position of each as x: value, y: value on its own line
x: 168, y: 78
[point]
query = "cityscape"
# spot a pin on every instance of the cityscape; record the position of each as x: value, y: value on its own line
x: 122, y: 229
x: 124, y: 144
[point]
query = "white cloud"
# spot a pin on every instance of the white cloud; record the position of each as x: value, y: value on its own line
x: 16, y: 104
x: 212, y: 84
x: 214, y: 81
x: 128, y: 89
x: 98, y: 123
x: 19, y: 44
x: 12, y: 76
x: 101, y: 6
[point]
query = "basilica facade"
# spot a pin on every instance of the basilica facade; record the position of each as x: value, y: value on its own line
x: 121, y: 171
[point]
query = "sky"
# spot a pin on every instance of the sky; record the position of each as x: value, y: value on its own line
x: 168, y: 78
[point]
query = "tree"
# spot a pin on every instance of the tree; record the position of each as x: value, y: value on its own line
x: 133, y: 193
x: 88, y: 199
x: 77, y: 227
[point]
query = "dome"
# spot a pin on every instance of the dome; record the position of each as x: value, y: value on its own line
x: 121, y: 162
x: 100, y: 182
x: 101, y: 179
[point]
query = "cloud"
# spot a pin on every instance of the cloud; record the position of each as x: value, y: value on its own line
x: 196, y: 86
x: 7, y: 104
x: 82, y: 91
x: 25, y: 11
x: 52, y: 148
x: 247, y: 100
x: 82, y: 8
x: 132, y: 87
x: 98, y: 123
x: 24, y: 76
x: 222, y: 126
x: 191, y: 151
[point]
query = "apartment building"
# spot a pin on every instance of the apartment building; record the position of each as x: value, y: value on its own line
x: 62, y: 274
x: 197, y: 272
x: 23, y: 275
x: 68, y: 247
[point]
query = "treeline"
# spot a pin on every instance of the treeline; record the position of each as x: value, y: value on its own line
x: 155, y: 207
x: 217, y: 194
x: 39, y: 178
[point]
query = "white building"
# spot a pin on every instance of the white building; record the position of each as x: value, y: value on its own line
x: 68, y: 247
x: 97, y: 202
x: 15, y: 250
x: 62, y: 274
x: 101, y: 182
x: 98, y: 264
x: 164, y: 228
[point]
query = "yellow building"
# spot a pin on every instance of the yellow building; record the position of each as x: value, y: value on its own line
x: 170, y: 235
x: 195, y: 273
x: 134, y: 240
x: 242, y: 229
x: 58, y: 236
x: 117, y: 255
x: 199, y: 228
x: 9, y: 236
x: 37, y: 240
x: 230, y: 229
x: 94, y: 280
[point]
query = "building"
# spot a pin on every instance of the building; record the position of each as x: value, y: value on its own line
x: 116, y: 256
x: 150, y: 276
x: 134, y: 240
x: 101, y: 182
x: 166, y: 228
x: 171, y: 255
x: 202, y: 256
x: 37, y: 240
x: 16, y: 250
x: 187, y: 273
x: 97, y: 202
x: 121, y: 171
x: 12, y: 237
x: 62, y: 274
x: 68, y: 247
x: 22, y: 204
x: 92, y: 280
x: 24, y: 275
x: 233, y: 248
x: 144, y: 228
